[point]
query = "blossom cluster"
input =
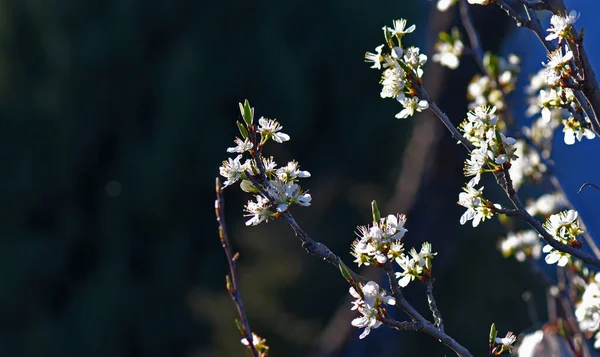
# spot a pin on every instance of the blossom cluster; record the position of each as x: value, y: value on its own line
x: 587, y: 310
x: 402, y: 69
x: 382, y: 242
x: 492, y: 151
x: 555, y: 98
x: 259, y: 343
x: 565, y: 228
x: 379, y: 244
x: 522, y: 245
x: 368, y: 301
x: 483, y: 90
x: 279, y: 186
x: 448, y: 49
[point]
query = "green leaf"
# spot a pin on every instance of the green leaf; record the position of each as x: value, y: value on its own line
x: 240, y: 327
x: 346, y: 273
x: 247, y: 112
x: 243, y: 130
x: 376, y: 214
x: 248, y: 186
x: 493, y: 334
x: 445, y: 37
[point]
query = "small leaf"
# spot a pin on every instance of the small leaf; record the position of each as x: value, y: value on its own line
x: 346, y: 273
x: 242, y: 129
x: 493, y: 334
x: 376, y: 214
x: 240, y: 327
x: 247, y: 112
x: 228, y: 284
x: 388, y: 37
x: 445, y: 37
x: 248, y: 186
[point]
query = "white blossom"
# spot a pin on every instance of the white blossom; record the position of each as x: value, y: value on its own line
x: 573, y: 129
x: 414, y: 59
x: 381, y: 241
x: 473, y: 200
x: 443, y: 5
x: 587, y: 311
x: 410, y: 106
x: 556, y: 67
x: 400, y: 28
x: 259, y: 210
x: 232, y: 170
x: 256, y: 340
x: 546, y: 204
x: 269, y: 128
x: 508, y: 341
x: 286, y: 194
x: 290, y: 172
x: 241, y: 146
x: 376, y: 57
x: 522, y: 245
x: 562, y: 25
x: 393, y: 82
x: 369, y: 304
x: 474, y: 165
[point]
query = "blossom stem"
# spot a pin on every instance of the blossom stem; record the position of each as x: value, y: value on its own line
x: 311, y: 246
x: 433, y: 305
x: 444, y: 118
x: 232, y: 285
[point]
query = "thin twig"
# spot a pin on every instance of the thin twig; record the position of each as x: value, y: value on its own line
x: 538, y: 5
x: 477, y: 52
x: 444, y: 118
x: 437, y: 316
x: 587, y: 184
x: 232, y: 284
x: 586, y: 233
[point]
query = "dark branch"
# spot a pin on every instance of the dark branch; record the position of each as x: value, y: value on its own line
x: 232, y: 284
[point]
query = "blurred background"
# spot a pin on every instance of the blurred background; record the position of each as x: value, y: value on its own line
x: 115, y: 118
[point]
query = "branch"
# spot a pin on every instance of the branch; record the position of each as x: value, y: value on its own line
x: 423, y: 324
x: 437, y: 316
x: 232, y: 285
x: 538, y: 5
x: 320, y: 250
x: 590, y: 85
x: 444, y: 118
x: 512, y: 194
x: 535, y: 224
x: 589, y: 96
